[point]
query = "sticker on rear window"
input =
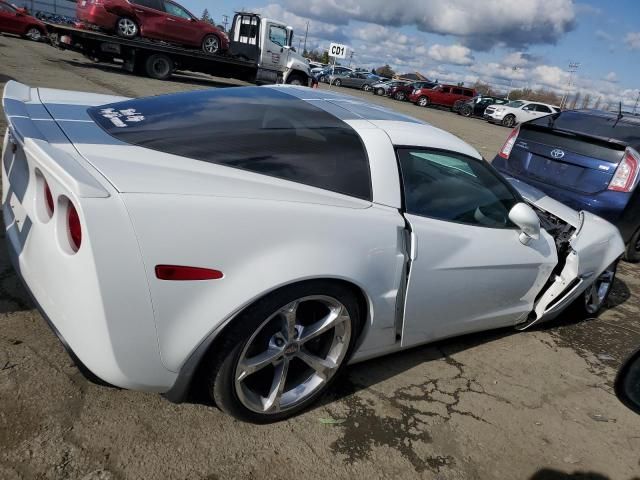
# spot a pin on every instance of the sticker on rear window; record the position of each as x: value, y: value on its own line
x: 121, y: 118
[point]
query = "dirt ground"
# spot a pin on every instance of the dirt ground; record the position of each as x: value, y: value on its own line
x: 500, y: 405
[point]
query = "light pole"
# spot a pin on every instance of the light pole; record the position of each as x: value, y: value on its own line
x: 515, y: 69
x: 305, y: 37
x: 636, y: 105
x: 573, y: 68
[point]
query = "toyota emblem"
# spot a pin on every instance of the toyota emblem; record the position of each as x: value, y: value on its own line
x: 557, y: 153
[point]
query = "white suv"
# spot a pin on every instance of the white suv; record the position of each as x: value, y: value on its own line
x: 518, y: 111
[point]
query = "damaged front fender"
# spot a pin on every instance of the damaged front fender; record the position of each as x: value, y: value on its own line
x: 594, y: 246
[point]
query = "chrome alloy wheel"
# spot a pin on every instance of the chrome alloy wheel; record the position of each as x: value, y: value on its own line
x: 127, y: 28
x: 293, y: 354
x: 211, y: 44
x: 34, y: 34
x: 596, y: 294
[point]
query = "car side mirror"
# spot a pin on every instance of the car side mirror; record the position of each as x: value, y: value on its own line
x: 627, y: 386
x: 526, y: 219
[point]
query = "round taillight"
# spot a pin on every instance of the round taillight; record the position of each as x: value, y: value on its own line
x: 48, y: 198
x: 73, y: 224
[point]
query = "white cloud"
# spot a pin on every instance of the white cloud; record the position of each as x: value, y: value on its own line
x: 498, y: 22
x: 611, y: 77
x: 453, y: 54
x: 633, y: 40
x: 604, y: 36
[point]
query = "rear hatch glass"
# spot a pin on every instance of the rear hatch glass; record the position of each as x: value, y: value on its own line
x: 574, y: 150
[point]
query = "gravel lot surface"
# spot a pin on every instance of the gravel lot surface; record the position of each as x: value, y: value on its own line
x: 500, y: 405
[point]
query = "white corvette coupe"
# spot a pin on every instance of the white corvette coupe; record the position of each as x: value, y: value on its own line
x: 258, y: 239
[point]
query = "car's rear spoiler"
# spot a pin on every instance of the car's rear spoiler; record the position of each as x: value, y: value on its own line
x: 30, y: 125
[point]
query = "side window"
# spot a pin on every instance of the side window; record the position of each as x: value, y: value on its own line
x: 455, y: 188
x: 6, y: 8
x: 468, y: 93
x: 445, y: 90
x: 176, y: 10
x: 530, y: 107
x: 278, y: 35
x: 543, y: 108
x: 149, y: 4
x: 457, y: 91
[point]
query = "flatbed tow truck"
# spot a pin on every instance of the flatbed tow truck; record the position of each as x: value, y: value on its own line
x: 260, y: 51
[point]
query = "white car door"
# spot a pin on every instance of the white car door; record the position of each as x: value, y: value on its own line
x: 528, y: 112
x: 469, y: 271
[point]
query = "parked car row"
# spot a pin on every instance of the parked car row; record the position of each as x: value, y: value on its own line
x: 17, y: 21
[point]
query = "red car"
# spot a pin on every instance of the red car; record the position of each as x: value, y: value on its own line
x: 157, y: 19
x: 445, y: 95
x: 19, y: 22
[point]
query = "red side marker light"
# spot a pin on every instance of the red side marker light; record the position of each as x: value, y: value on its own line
x: 178, y: 272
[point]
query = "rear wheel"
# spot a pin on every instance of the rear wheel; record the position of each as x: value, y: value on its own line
x: 509, y: 121
x: 379, y: 91
x: 211, y: 44
x: 34, y: 33
x: 338, y: 82
x: 283, y: 352
x: 401, y: 96
x: 127, y: 28
x: 466, y: 111
x: 632, y: 253
x: 423, y: 102
x: 159, y: 66
x: 367, y: 88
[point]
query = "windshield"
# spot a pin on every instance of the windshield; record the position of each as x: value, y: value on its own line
x: 516, y: 104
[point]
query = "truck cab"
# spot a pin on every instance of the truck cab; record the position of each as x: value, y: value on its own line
x: 268, y: 43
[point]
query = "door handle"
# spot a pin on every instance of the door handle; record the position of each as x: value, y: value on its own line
x: 170, y: 19
x: 139, y: 11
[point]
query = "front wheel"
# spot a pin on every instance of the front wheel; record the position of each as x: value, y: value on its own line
x: 401, y: 96
x: 296, y: 79
x: 337, y: 83
x: 595, y: 297
x: 283, y: 352
x: 367, y: 87
x: 466, y: 111
x: 379, y: 91
x: 211, y: 44
x: 509, y: 121
x: 423, y: 101
x: 127, y: 28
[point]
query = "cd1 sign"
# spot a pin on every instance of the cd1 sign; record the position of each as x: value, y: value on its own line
x: 338, y: 51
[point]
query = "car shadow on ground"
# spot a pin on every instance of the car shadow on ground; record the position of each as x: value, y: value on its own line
x: 551, y: 474
x: 5, y: 78
x: 186, y: 77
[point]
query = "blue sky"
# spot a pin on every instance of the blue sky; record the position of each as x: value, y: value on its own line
x: 469, y: 40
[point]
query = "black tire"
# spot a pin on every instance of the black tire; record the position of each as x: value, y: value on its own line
x: 296, y: 79
x: 423, y: 101
x: 509, y: 121
x: 466, y: 111
x: 583, y: 308
x: 400, y: 96
x: 127, y: 28
x: 211, y: 44
x: 158, y: 66
x: 322, y: 78
x: 337, y: 82
x: 223, y: 362
x: 632, y: 252
x: 379, y: 91
x: 367, y: 88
